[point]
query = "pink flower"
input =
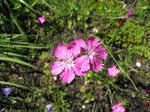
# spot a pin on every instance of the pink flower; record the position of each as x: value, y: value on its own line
x: 92, y: 53
x: 66, y: 66
x: 41, y: 19
x: 128, y: 14
x: 113, y: 71
x: 117, y: 108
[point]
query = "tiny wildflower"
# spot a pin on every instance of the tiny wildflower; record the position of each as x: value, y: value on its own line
x: 138, y: 64
x: 41, y: 19
x: 113, y: 71
x: 148, y: 91
x: 117, y: 108
x: 128, y: 14
x: 124, y: 5
x: 6, y: 91
x: 55, y: 78
x: 49, y: 107
x: 83, y: 106
x: 122, y: 21
x: 95, y: 30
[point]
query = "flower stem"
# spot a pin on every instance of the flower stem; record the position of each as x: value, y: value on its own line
x: 120, y: 67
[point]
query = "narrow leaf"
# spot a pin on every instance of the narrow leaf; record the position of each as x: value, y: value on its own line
x: 17, y: 61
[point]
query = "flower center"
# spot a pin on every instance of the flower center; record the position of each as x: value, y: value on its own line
x: 90, y: 52
x: 69, y: 62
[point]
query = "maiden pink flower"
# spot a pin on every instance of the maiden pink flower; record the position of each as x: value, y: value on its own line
x: 66, y: 66
x: 128, y: 14
x: 117, y: 108
x: 113, y: 71
x: 92, y: 53
x: 41, y: 19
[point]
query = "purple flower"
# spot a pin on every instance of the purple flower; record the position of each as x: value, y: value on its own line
x: 6, y: 91
x: 148, y: 91
x: 113, y: 71
x: 92, y: 53
x: 128, y: 14
x: 117, y: 108
x: 41, y: 19
x: 66, y: 66
x: 49, y: 107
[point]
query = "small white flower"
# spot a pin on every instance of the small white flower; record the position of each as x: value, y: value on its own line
x: 124, y: 5
x: 138, y: 64
x: 55, y: 78
x: 83, y: 106
x: 95, y: 30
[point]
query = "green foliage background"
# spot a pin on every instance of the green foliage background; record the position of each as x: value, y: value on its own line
x: 26, y: 49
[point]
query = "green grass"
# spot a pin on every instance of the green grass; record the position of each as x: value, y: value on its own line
x: 26, y: 49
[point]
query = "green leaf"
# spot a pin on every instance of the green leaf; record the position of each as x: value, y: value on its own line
x: 32, y: 46
x: 14, y: 54
x: 17, y: 6
x: 27, y: 5
x: 17, y: 85
x: 16, y: 61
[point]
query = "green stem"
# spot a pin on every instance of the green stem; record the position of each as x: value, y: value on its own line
x: 28, y: 6
x: 110, y: 94
x: 53, y: 9
x: 120, y: 67
x: 133, y: 3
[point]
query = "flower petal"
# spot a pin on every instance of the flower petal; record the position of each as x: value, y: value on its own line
x: 96, y: 64
x: 113, y: 107
x: 67, y: 75
x: 117, y: 71
x: 78, y: 72
x: 74, y: 49
x: 61, y: 52
x: 83, y: 63
x: 100, y: 52
x: 57, y: 67
x: 128, y: 14
x: 121, y: 109
x: 81, y: 43
x: 92, y: 42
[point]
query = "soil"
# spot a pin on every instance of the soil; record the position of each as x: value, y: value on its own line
x: 80, y: 95
x: 98, y: 99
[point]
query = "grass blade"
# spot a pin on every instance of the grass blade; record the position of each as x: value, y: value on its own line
x: 12, y: 84
x: 32, y: 46
x: 27, y: 5
x: 17, y: 61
